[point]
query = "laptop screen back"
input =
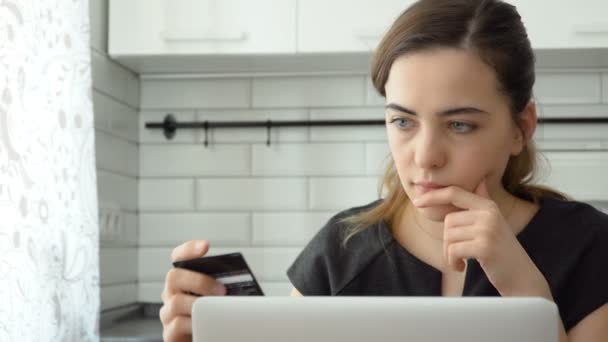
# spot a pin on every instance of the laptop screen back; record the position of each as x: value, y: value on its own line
x: 358, y: 319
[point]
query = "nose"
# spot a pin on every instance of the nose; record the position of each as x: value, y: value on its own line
x: 429, y: 150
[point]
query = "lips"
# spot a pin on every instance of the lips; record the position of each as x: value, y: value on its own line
x: 424, y: 187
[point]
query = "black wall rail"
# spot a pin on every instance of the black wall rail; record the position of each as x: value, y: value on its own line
x: 170, y: 125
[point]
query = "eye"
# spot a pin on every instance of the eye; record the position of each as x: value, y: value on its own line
x: 402, y: 123
x: 462, y: 127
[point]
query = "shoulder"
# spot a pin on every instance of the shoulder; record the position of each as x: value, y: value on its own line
x: 337, y: 228
x: 566, y: 238
x: 574, y: 230
x: 577, y: 262
x: 575, y: 219
x: 326, y: 264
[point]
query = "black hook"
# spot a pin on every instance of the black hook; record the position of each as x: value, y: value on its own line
x: 268, y: 124
x: 169, y: 126
x: 206, y: 133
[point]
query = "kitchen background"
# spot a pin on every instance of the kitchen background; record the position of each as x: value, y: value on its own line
x: 268, y: 201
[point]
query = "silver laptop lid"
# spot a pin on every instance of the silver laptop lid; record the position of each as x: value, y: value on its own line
x: 358, y: 319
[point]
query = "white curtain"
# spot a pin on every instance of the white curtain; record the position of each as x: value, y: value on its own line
x: 49, y: 273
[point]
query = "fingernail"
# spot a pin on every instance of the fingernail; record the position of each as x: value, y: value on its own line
x: 219, y: 289
x: 199, y: 246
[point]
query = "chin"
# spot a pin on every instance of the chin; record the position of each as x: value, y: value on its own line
x: 437, y: 213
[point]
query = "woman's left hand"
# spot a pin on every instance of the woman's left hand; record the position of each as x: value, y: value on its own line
x: 481, y: 232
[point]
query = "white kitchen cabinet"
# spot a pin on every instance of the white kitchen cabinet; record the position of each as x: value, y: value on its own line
x: 345, y: 25
x: 565, y: 24
x: 581, y: 175
x: 201, y: 27
x: 358, y: 26
x: 261, y: 36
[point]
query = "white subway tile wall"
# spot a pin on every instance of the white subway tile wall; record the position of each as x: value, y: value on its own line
x: 115, y: 118
x: 605, y: 87
x: 308, y: 91
x: 166, y: 194
x: 268, y: 201
x: 174, y: 228
x: 286, y: 229
x: 116, y: 155
x: 312, y: 159
x: 117, y: 190
x: 351, y: 133
x: 194, y: 160
x: 372, y: 97
x: 116, y: 106
x: 188, y: 94
x: 252, y: 193
x: 568, y: 88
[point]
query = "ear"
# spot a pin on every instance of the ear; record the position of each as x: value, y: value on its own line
x: 526, y: 127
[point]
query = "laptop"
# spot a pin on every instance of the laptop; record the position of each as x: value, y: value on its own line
x: 387, y: 319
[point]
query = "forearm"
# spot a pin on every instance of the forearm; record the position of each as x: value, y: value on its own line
x: 543, y: 291
x: 563, y: 337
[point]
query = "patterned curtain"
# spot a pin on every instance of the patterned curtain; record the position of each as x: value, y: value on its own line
x: 49, y: 273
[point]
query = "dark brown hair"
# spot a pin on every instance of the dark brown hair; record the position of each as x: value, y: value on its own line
x: 493, y: 30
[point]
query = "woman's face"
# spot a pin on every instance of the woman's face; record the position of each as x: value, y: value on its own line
x: 447, y: 123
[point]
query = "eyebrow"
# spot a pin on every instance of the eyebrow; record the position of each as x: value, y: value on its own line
x: 448, y: 112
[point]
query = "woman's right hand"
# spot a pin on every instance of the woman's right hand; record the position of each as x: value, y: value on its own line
x: 180, y: 285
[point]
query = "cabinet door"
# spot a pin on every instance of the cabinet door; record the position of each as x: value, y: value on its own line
x: 558, y: 24
x: 581, y: 175
x: 180, y: 27
x: 358, y: 25
x: 345, y: 25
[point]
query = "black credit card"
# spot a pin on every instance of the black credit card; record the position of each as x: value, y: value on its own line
x: 229, y: 269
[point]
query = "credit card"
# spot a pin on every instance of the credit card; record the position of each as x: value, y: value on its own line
x: 229, y: 269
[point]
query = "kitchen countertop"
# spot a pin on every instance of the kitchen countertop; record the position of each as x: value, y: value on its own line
x: 139, y: 324
x: 135, y: 329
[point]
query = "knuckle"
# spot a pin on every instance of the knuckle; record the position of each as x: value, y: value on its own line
x: 488, y: 214
x: 449, y: 234
x: 451, y: 191
x: 488, y: 232
x: 448, y: 220
x: 175, y: 252
x: 493, y: 208
x: 180, y: 326
x: 165, y: 294
x: 492, y: 205
x: 203, y: 284
x: 484, y: 249
x: 169, y: 331
x: 161, y: 314
x: 452, y: 249
x: 172, y: 276
x: 172, y: 307
x: 179, y: 250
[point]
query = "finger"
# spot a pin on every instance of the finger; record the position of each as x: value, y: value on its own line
x: 179, y: 329
x: 189, y: 250
x: 458, y: 253
x: 456, y: 235
x: 178, y: 305
x: 459, y: 234
x: 453, y: 195
x: 185, y: 281
x: 460, y: 218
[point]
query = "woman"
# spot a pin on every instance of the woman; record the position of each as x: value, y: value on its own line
x: 458, y: 216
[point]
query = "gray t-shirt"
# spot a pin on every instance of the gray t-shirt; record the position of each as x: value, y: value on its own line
x: 567, y: 240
